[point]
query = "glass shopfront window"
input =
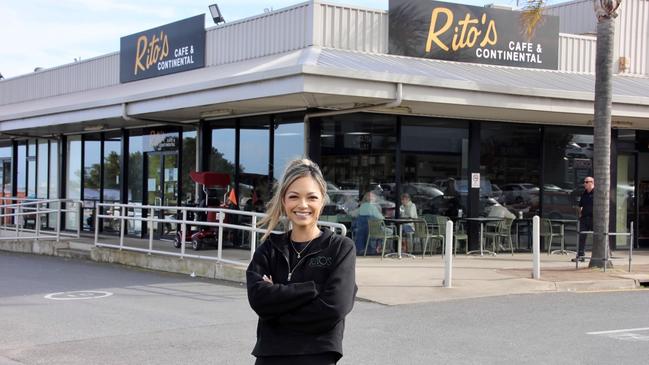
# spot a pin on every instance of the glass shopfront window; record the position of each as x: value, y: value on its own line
x: 510, y: 169
x: 43, y: 158
x: 21, y: 178
x: 135, y: 179
x: 188, y: 165
x: 5, y: 179
x: 568, y: 156
x: 434, y: 165
x: 31, y: 169
x: 73, y: 181
x: 288, y: 144
x: 358, y: 158
x: 222, y: 155
x: 91, y: 179
x: 253, y: 167
x: 54, y: 164
x: 568, y: 159
x: 111, y: 181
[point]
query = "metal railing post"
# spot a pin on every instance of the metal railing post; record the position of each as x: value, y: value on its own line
x: 150, y: 230
x: 58, y: 221
x: 183, y: 233
x: 220, y: 243
x: 97, y: 210
x: 536, y: 247
x: 122, y: 220
x: 37, y: 221
x: 79, y: 217
x: 253, y: 236
x: 448, y: 259
x: 19, y: 218
x: 631, y: 240
x: 607, y: 237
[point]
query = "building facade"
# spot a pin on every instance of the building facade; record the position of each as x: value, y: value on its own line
x: 321, y: 80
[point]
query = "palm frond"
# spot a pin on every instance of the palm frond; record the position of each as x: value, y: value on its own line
x: 532, y: 16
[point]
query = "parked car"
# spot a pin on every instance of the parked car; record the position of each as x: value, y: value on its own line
x: 521, y: 193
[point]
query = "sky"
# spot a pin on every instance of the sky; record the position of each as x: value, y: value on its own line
x: 48, y: 33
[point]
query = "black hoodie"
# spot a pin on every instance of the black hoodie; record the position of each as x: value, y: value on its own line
x: 305, y: 315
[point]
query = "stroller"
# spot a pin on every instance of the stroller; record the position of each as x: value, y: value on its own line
x: 213, y: 184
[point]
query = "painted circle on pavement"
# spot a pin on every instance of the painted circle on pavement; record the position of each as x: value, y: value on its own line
x: 78, y: 295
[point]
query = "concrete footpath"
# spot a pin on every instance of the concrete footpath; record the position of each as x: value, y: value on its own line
x: 403, y: 281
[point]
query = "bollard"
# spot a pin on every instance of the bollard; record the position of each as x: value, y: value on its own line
x: 630, y: 246
x: 536, y: 247
x: 220, y: 243
x: 448, y: 259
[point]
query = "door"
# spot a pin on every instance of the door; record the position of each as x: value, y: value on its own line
x: 162, y: 189
x: 625, y: 195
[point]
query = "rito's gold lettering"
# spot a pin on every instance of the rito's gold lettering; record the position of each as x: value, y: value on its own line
x: 149, y: 52
x: 432, y: 34
x: 465, y: 34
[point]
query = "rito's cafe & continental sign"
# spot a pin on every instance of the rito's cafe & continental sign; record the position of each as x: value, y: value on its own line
x: 454, y: 32
x: 171, y: 48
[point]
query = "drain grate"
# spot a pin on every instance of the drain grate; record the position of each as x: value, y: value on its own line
x: 644, y: 284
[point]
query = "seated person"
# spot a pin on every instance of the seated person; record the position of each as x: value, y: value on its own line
x: 498, y: 211
x: 407, y: 210
x: 367, y: 210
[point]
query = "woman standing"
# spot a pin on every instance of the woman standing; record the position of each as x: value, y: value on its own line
x: 301, y: 283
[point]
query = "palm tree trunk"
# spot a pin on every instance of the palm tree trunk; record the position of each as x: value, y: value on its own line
x: 602, y: 140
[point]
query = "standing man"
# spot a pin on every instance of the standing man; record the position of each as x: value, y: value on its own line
x: 585, y: 215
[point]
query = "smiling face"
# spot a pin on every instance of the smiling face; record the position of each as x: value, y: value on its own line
x: 303, y: 202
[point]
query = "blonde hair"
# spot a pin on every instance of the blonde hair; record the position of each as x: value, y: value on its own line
x: 295, y: 169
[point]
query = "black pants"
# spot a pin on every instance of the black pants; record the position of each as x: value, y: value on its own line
x: 585, y: 224
x: 327, y: 358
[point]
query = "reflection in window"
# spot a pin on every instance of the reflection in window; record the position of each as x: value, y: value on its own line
x: 54, y: 180
x: 112, y: 166
x: 91, y: 179
x: 510, y: 160
x: 253, y: 155
x: 188, y: 165
x: 358, y: 153
x: 568, y: 154
x: 435, y: 163
x: 222, y: 155
x: 21, y: 178
x: 289, y: 145
x: 135, y: 170
x: 43, y: 157
x: 73, y: 183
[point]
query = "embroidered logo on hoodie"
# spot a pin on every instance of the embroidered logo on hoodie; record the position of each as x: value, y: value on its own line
x: 320, y: 261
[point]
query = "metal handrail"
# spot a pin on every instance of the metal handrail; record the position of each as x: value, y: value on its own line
x: 32, y: 207
x: 151, y: 218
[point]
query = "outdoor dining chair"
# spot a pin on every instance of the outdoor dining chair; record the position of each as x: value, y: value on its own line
x: 549, y: 232
x: 377, y: 230
x: 501, y: 234
x: 428, y: 232
x: 459, y: 234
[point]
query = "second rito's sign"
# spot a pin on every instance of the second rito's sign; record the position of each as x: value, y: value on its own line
x: 171, y: 48
x: 454, y: 32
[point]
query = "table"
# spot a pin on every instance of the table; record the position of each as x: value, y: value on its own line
x: 562, y: 223
x: 399, y: 222
x: 482, y: 221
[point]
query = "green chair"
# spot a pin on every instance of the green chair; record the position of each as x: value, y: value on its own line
x: 502, y: 233
x: 549, y: 232
x: 459, y: 234
x: 377, y: 230
x: 426, y: 232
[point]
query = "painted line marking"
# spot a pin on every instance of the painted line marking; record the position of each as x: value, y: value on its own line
x: 624, y: 334
x: 78, y: 295
x: 618, y: 331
